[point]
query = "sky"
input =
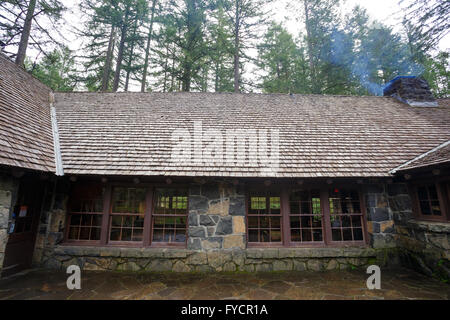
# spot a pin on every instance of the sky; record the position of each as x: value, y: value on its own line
x: 387, y: 12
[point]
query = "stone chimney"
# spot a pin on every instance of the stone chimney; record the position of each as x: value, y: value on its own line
x: 411, y: 90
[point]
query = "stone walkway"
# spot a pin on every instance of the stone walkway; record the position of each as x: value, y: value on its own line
x: 395, y: 284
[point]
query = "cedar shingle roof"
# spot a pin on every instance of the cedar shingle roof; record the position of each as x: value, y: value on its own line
x: 26, y: 139
x: 320, y: 136
x: 437, y: 156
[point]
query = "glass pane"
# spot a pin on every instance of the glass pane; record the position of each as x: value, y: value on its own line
x: 346, y: 222
x: 295, y: 235
x: 264, y: 222
x: 253, y: 235
x: 95, y: 233
x: 264, y: 235
x: 84, y: 233
x: 275, y: 205
x: 275, y: 222
x: 180, y: 235
x: 73, y: 233
x: 275, y: 235
x: 137, y: 235
x: 317, y: 235
x: 75, y: 220
x: 425, y: 207
x: 347, y: 234
x: 128, y: 200
x: 253, y: 222
x: 157, y: 235
x: 357, y: 234
x: 115, y: 234
x: 317, y: 221
x: 356, y: 221
x: 126, y: 234
x: 306, y: 235
x: 336, y: 235
x: 306, y: 222
x: 295, y: 222
x: 436, y: 208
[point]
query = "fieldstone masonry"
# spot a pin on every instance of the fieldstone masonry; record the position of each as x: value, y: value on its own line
x: 8, y: 192
x: 380, y: 223
x: 216, y: 217
x: 423, y: 246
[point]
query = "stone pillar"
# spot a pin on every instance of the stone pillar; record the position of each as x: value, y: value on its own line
x: 216, y: 217
x: 380, y: 223
x: 52, y: 221
x: 9, y: 187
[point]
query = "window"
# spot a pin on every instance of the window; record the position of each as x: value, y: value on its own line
x: 127, y: 214
x: 264, y: 218
x: 170, y: 216
x: 346, y: 216
x: 431, y: 201
x: 85, y: 213
x: 305, y: 216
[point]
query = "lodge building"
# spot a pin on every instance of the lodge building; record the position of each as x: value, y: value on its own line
x: 344, y: 181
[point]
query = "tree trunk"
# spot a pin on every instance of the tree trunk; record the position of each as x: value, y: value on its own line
x: 130, y: 59
x: 108, y: 63
x: 236, y: 50
x: 123, y: 37
x: 147, y: 50
x: 21, y: 53
x: 312, y: 66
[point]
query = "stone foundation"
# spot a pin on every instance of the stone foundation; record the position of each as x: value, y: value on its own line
x: 248, y: 260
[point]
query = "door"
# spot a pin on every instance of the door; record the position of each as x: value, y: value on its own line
x: 23, y: 228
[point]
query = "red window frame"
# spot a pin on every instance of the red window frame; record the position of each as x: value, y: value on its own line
x: 264, y: 220
x: 327, y: 239
x: 107, y: 215
x: 442, y: 188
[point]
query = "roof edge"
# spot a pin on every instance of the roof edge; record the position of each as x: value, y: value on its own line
x: 443, y: 145
x: 56, y: 146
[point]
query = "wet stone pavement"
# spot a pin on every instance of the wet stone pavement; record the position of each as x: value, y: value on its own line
x: 395, y: 284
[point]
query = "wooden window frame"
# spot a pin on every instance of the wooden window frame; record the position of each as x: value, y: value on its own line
x: 282, y: 222
x: 157, y: 244
x: 326, y: 226
x: 148, y: 219
x: 443, y: 192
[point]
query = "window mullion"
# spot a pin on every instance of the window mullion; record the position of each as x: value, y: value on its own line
x: 325, y: 208
x: 106, y: 213
x: 147, y: 234
x: 285, y: 223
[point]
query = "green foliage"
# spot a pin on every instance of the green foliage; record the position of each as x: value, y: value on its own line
x: 56, y: 70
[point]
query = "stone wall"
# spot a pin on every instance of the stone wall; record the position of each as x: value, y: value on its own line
x: 380, y: 223
x: 216, y: 217
x: 8, y: 192
x: 423, y: 246
x: 224, y: 260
